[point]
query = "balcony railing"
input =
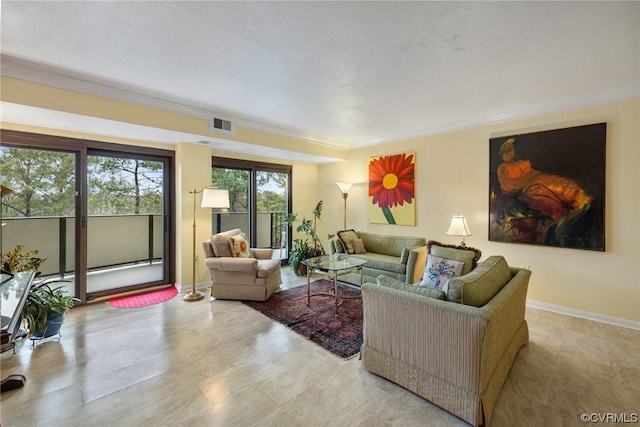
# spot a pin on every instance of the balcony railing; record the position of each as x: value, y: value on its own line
x: 269, y: 226
x: 116, y: 240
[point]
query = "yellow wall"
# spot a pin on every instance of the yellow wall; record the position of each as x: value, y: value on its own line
x: 305, y: 193
x: 193, y: 173
x: 193, y: 161
x: 42, y: 96
x: 452, y: 177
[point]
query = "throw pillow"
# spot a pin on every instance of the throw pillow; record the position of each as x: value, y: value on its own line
x: 220, y: 245
x: 439, y: 270
x: 358, y: 246
x: 466, y: 254
x: 482, y: 284
x: 240, y: 246
x: 347, y: 237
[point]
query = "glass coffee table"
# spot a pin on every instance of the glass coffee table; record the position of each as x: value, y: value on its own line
x: 333, y: 266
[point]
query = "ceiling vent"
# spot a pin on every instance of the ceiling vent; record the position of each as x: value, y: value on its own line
x: 221, y: 126
x: 204, y: 142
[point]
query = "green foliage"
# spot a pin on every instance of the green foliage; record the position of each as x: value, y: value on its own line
x: 17, y: 260
x: 277, y: 179
x: 236, y: 181
x: 119, y: 186
x: 300, y: 251
x: 41, y: 301
x: 270, y: 191
x: 43, y: 182
x: 270, y: 201
x: 301, y: 248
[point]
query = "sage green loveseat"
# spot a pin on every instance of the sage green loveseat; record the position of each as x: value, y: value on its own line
x: 456, y: 354
x: 400, y: 257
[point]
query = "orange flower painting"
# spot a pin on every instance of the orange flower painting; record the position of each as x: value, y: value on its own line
x: 391, y: 189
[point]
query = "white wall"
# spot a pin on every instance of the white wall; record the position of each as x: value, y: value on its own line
x: 452, y: 177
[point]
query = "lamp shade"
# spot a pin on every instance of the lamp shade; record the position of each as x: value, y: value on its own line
x: 5, y: 190
x: 458, y: 226
x: 344, y: 186
x: 214, y: 198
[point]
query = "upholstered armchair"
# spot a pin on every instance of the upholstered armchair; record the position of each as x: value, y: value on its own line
x: 238, y: 272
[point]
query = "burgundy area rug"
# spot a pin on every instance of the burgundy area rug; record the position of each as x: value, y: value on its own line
x: 143, y: 300
x: 341, y: 335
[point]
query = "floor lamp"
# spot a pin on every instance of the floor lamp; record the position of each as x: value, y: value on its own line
x: 344, y: 189
x: 211, y: 198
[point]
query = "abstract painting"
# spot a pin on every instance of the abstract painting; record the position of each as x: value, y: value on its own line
x: 391, y: 189
x: 548, y: 188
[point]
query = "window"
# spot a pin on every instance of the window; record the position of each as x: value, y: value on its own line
x: 99, y: 213
x: 259, y: 197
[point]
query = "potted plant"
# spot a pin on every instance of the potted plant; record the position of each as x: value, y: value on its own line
x: 17, y: 260
x: 45, y: 307
x: 303, y: 248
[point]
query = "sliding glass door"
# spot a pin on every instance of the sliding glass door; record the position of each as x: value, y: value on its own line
x: 99, y: 213
x: 259, y: 195
x: 125, y: 204
x: 238, y: 183
x: 271, y: 208
x: 39, y: 211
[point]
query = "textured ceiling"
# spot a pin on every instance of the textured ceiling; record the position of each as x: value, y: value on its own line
x: 350, y: 73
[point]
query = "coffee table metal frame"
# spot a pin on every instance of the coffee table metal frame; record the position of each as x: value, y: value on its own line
x: 333, y: 266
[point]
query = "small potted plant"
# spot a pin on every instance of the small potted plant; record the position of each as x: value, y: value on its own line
x: 17, y: 260
x: 45, y: 307
x: 301, y: 248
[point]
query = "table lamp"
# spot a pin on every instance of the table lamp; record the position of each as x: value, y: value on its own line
x: 459, y: 227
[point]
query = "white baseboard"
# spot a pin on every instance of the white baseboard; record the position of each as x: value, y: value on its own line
x: 617, y: 321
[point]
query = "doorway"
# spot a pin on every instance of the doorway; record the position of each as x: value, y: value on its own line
x: 99, y: 213
x: 260, y: 199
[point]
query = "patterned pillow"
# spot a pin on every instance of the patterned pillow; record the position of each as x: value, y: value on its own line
x: 240, y: 246
x: 439, y: 270
x: 466, y: 254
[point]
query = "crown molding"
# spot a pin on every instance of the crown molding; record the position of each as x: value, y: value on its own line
x: 537, y: 110
x: 23, y: 69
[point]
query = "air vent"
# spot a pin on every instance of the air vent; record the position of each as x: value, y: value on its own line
x: 221, y: 126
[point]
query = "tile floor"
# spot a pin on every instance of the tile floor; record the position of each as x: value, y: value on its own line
x: 220, y: 363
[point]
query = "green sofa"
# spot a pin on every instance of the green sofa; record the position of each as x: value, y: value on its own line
x: 453, y: 348
x: 400, y: 257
